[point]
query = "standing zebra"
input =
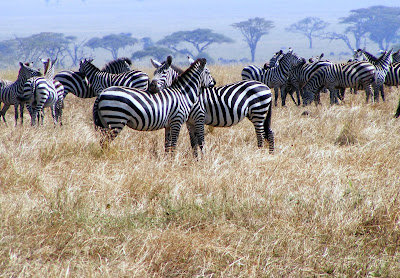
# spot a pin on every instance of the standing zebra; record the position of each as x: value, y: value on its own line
x: 101, y: 80
x: 9, y: 90
x: 299, y: 75
x: 382, y: 65
x: 224, y: 106
x: 76, y: 83
x: 41, y: 92
x: 275, y: 77
x: 118, y: 106
x: 346, y: 75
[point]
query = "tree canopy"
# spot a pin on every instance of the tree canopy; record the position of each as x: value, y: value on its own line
x: 200, y: 39
x: 253, y: 29
x: 112, y: 42
x: 309, y: 26
x: 157, y: 52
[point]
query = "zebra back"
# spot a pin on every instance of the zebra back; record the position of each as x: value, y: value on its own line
x: 119, y: 65
x: 396, y: 56
x: 393, y: 76
x: 76, y: 83
x: 118, y: 106
x: 11, y: 92
x: 101, y: 80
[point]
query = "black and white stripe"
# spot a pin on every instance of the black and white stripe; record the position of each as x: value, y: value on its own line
x: 9, y: 90
x: 76, y: 83
x: 382, y: 65
x: 393, y: 75
x: 340, y: 76
x: 275, y: 77
x: 99, y: 80
x: 41, y: 92
x: 299, y: 75
x: 118, y: 106
x: 227, y: 105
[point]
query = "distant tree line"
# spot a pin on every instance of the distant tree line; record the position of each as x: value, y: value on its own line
x: 379, y: 24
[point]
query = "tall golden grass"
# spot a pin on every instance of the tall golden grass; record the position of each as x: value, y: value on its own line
x: 325, y: 204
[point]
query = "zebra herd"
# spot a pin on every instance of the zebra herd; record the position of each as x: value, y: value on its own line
x: 126, y: 97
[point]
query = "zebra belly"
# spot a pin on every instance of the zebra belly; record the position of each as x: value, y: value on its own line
x: 136, y: 111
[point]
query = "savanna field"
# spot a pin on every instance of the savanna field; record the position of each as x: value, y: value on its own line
x: 325, y: 204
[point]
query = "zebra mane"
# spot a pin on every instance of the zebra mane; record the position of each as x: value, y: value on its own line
x: 117, y: 61
x: 201, y: 61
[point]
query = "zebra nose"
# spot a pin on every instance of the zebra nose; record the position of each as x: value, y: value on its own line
x: 153, y: 87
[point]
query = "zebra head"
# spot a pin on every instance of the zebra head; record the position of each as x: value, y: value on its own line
x: 207, y: 80
x: 163, y: 75
x: 85, y: 66
x: 26, y: 71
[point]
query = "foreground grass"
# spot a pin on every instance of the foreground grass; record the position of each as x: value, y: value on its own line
x: 325, y: 204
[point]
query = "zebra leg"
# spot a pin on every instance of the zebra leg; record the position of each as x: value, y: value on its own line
x: 3, y: 112
x: 53, y: 114
x: 194, y: 142
x: 382, y: 89
x: 16, y: 114
x: 276, y: 95
x: 21, y: 112
x: 174, y: 135
x: 167, y: 144
x: 376, y: 93
x: 397, y: 114
x: 368, y: 92
x: 268, y: 133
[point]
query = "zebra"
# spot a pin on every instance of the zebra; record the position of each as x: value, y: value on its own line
x: 118, y: 65
x: 101, y: 80
x: 169, y: 108
x: 164, y: 74
x: 225, y: 106
x: 10, y: 90
x: 393, y: 75
x: 275, y: 77
x: 254, y: 72
x: 299, y: 75
x: 382, y: 65
x: 41, y: 92
x: 76, y: 83
x: 274, y: 61
x: 396, y: 56
x: 340, y: 76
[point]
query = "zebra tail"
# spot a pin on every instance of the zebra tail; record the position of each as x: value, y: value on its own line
x: 96, y: 118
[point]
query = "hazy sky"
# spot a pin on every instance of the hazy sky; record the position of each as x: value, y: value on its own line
x: 158, y: 18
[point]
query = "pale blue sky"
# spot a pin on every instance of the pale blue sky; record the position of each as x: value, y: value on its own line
x: 158, y: 18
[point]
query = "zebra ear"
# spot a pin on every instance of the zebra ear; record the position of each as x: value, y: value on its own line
x: 155, y: 63
x: 191, y: 61
x: 169, y: 60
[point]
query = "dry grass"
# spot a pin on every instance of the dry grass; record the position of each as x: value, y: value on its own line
x: 325, y: 204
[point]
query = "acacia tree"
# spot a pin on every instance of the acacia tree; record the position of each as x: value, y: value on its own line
x: 253, y: 29
x: 358, y: 21
x: 384, y: 25
x: 309, y: 26
x: 200, y: 39
x: 157, y: 52
x: 112, y: 42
